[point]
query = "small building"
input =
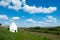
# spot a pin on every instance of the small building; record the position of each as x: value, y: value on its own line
x: 13, y: 27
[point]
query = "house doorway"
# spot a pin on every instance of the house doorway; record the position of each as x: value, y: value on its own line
x: 15, y: 31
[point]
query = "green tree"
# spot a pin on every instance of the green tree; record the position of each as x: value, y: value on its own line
x: 37, y: 27
x: 0, y: 24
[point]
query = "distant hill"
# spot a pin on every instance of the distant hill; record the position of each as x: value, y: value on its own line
x: 50, y: 30
x: 4, y: 26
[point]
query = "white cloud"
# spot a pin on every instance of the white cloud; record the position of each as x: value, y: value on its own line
x: 31, y: 9
x: 50, y: 19
x: 34, y: 9
x: 30, y: 20
x: 17, y: 5
x: 23, y: 1
x: 6, y: 22
x: 15, y: 18
x: 4, y: 2
x: 42, y: 22
x: 11, y: 20
x: 3, y: 17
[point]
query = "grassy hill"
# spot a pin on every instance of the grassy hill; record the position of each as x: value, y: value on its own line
x: 20, y: 35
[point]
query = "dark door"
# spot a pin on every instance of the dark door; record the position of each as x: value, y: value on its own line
x: 15, y: 30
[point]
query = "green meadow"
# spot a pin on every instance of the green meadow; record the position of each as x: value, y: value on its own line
x: 31, y: 34
x: 20, y: 35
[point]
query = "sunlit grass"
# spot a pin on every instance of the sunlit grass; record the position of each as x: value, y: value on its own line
x: 20, y: 35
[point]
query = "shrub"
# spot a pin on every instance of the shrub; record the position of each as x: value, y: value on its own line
x: 0, y: 24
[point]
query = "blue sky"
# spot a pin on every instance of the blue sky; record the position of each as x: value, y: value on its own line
x: 27, y: 13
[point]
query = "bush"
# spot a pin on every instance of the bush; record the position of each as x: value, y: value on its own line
x: 46, y: 32
x: 0, y: 24
x: 36, y: 28
x: 52, y: 29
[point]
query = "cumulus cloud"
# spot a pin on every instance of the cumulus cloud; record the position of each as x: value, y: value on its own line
x: 50, y: 19
x: 31, y: 9
x: 34, y: 9
x: 30, y: 20
x: 4, y: 2
x: 42, y: 22
x: 15, y: 18
x: 17, y: 5
x: 3, y: 17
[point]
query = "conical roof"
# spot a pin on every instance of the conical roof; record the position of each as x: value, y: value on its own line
x: 13, y: 25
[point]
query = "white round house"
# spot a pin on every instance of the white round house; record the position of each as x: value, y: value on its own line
x: 13, y: 27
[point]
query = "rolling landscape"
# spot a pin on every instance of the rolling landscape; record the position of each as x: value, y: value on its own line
x: 32, y: 33
x: 29, y: 19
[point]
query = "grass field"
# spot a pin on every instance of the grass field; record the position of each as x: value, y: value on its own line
x: 20, y: 35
